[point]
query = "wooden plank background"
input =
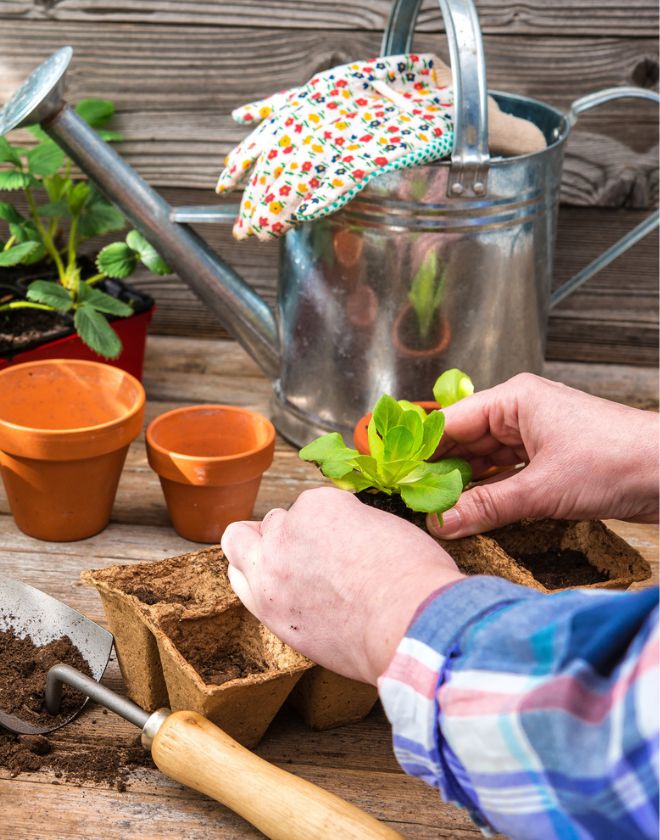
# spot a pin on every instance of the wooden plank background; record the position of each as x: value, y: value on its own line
x: 176, y: 69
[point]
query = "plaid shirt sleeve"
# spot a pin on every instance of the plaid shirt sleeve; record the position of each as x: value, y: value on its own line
x: 537, y: 713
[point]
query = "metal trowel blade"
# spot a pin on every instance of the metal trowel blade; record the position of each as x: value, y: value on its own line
x: 28, y: 611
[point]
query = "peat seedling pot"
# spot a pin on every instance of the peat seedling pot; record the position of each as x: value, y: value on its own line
x: 177, y: 622
x: 210, y: 459
x: 27, y: 335
x: 545, y: 554
x: 65, y: 428
x: 184, y: 640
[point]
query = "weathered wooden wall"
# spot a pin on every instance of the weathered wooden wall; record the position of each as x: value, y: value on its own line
x: 177, y: 68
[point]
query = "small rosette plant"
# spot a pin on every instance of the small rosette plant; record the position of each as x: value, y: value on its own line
x: 402, y: 437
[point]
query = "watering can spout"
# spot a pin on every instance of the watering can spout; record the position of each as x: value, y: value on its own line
x: 238, y: 307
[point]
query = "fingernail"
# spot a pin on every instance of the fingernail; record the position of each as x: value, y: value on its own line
x: 451, y: 522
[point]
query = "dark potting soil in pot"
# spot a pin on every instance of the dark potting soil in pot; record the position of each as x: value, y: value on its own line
x: 21, y: 329
x: 559, y: 568
x: 221, y: 666
x: 554, y: 569
x: 23, y: 670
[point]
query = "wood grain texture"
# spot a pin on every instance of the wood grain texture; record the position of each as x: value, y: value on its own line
x: 611, y: 17
x: 355, y: 762
x: 176, y: 85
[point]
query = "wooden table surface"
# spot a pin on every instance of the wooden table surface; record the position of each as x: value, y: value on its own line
x: 355, y: 761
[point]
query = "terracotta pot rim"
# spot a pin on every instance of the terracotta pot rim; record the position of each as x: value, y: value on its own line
x: 412, y: 353
x: 75, y: 431
x: 209, y: 459
x: 360, y: 431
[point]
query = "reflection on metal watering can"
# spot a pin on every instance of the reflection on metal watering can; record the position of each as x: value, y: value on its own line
x: 355, y: 318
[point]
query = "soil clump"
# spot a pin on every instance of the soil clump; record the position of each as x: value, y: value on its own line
x: 226, y: 665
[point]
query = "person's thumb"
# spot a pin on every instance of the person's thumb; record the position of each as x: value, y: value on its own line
x: 487, y: 506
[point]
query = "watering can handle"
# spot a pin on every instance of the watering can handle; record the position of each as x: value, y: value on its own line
x: 649, y: 224
x: 468, y: 175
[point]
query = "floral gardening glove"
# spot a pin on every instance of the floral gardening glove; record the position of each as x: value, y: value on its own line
x: 321, y: 144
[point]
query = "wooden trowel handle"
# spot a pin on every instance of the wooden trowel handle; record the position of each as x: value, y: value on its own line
x: 193, y: 751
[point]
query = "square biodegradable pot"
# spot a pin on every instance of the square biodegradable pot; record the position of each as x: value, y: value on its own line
x: 552, y: 554
x: 177, y: 625
x: 325, y: 699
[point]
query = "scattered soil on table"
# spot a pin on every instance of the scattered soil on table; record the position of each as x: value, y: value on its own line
x: 105, y: 764
x: 21, y: 329
x: 222, y: 666
x: 23, y: 670
x: 561, y: 568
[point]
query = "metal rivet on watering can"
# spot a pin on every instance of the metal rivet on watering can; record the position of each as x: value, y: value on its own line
x: 457, y: 189
x: 479, y: 188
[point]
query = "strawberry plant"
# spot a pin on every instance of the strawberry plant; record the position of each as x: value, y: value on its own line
x: 63, y: 213
x: 402, y: 438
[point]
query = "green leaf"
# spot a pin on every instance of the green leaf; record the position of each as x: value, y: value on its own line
x: 103, y: 302
x: 386, y: 414
x: 17, y: 254
x: 25, y: 231
x: 443, y: 467
x: 116, y: 260
x: 77, y: 196
x: 453, y: 385
x: 412, y: 421
x: 426, y: 293
x: 53, y: 209
x: 110, y: 136
x: 95, y: 331
x: 375, y: 440
x: 36, y: 256
x: 8, y: 153
x: 353, y: 481
x: 327, y: 447
x: 38, y: 132
x: 434, y: 426
x: 9, y: 213
x: 433, y: 492
x: 100, y: 217
x: 45, y: 159
x: 406, y: 405
x: 11, y: 179
x: 50, y: 293
x: 369, y: 467
x: 96, y: 112
x: 398, y: 444
x: 57, y: 186
x: 148, y: 254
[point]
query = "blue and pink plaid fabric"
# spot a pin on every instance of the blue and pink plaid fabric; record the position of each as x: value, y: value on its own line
x: 537, y: 713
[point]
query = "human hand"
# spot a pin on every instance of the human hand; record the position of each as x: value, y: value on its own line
x: 336, y: 579
x: 320, y: 144
x: 587, y: 458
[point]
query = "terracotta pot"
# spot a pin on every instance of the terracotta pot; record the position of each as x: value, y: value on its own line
x: 360, y: 432
x: 65, y: 428
x: 406, y: 350
x: 210, y: 459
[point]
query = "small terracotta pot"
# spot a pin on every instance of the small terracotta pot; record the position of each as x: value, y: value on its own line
x: 65, y: 428
x: 403, y: 349
x: 210, y: 459
x: 360, y: 432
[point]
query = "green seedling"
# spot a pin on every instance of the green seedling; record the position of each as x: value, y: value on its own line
x: 426, y: 293
x: 402, y: 437
x: 63, y: 213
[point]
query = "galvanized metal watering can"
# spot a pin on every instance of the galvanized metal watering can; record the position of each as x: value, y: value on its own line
x: 447, y: 265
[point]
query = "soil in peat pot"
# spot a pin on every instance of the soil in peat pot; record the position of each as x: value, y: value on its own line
x: 554, y: 569
x: 221, y: 666
x: 23, y: 669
